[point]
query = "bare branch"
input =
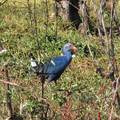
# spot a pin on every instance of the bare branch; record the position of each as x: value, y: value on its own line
x: 8, y: 94
x: 10, y: 83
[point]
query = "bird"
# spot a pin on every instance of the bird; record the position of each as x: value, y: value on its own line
x: 53, y: 68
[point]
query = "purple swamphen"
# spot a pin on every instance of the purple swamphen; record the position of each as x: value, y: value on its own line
x: 52, y: 69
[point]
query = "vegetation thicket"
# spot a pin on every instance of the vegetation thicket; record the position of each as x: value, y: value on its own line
x: 26, y: 26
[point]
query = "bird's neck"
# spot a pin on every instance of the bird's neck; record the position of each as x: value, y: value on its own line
x: 68, y: 55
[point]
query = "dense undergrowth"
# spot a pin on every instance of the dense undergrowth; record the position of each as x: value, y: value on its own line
x: 85, y: 94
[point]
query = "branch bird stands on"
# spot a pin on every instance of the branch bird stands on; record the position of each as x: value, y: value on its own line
x: 52, y: 69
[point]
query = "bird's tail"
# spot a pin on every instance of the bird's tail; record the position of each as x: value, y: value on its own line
x: 35, y: 66
x: 34, y: 63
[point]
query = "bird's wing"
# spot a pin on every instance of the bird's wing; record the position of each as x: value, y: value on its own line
x: 55, y: 67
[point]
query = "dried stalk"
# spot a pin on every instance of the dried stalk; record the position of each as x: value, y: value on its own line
x: 47, y: 16
x: 115, y: 94
x: 35, y: 23
x: 10, y: 83
x: 85, y: 14
x: 38, y: 44
x: 113, y: 69
x: 112, y: 63
x: 56, y: 21
x: 8, y: 94
x: 29, y: 12
x: 102, y: 23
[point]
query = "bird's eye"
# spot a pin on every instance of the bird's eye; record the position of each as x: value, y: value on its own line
x: 71, y: 46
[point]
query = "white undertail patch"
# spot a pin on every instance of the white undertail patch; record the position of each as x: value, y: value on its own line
x: 33, y: 63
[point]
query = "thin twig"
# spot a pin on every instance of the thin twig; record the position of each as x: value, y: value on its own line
x: 103, y: 24
x: 30, y: 12
x: 56, y: 20
x: 113, y: 99
x: 8, y: 94
x: 113, y: 65
x: 36, y: 36
x: 47, y: 15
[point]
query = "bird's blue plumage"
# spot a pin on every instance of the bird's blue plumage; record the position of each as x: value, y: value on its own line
x: 53, y: 69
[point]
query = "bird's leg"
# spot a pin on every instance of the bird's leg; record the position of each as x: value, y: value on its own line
x: 42, y: 87
x: 42, y: 95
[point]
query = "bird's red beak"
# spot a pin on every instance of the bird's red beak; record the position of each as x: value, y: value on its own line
x: 74, y: 49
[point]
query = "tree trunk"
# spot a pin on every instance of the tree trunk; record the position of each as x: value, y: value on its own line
x: 85, y: 26
x: 68, y: 10
x: 73, y: 13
